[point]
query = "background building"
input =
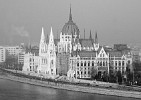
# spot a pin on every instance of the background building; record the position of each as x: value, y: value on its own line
x: 2, y: 54
x: 13, y: 50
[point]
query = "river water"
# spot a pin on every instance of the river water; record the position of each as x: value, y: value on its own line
x: 10, y: 90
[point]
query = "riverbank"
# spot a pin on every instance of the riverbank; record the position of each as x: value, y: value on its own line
x: 72, y: 87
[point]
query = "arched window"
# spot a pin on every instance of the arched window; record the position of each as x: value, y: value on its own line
x: 85, y: 63
x: 81, y: 63
x: 100, y: 63
x: 115, y: 63
x: 77, y: 63
x: 30, y: 68
x: 78, y: 72
x: 128, y: 61
x: 103, y: 63
x: 52, y: 62
x: 106, y: 63
x: 122, y: 63
x: 88, y: 63
x: 119, y: 63
x: 30, y: 59
x: 92, y: 63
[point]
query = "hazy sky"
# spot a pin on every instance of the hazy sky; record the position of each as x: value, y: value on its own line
x: 116, y: 21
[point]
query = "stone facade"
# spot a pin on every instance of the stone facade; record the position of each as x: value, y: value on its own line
x: 62, y: 63
x: 45, y: 62
x: 76, y: 57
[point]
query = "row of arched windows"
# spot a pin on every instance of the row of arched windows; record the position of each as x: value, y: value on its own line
x: 118, y: 63
x: 102, y: 63
x: 88, y: 63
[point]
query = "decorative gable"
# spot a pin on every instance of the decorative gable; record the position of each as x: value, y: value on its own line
x: 123, y: 57
x: 102, y: 53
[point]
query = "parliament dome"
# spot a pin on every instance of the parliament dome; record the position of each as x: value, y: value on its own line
x: 70, y: 27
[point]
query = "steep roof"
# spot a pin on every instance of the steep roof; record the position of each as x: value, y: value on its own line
x: 87, y: 54
x: 115, y: 53
x: 84, y: 53
x: 86, y: 42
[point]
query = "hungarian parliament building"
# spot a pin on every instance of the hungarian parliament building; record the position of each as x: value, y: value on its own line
x: 75, y: 57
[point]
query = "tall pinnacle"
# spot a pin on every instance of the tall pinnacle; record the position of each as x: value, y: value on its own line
x: 84, y: 33
x: 70, y: 16
x: 42, y: 36
x: 96, y: 38
x: 90, y: 35
x: 51, y: 38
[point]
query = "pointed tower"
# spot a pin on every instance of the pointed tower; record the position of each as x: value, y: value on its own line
x: 42, y: 40
x: 70, y: 28
x: 90, y: 35
x: 70, y: 16
x: 52, y: 54
x: 43, y: 55
x: 96, y: 44
x: 51, y: 37
x: 96, y: 38
x: 43, y: 45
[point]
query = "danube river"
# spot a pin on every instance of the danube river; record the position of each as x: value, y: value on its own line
x: 10, y: 90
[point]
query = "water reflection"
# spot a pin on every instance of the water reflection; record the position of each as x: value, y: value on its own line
x: 10, y: 90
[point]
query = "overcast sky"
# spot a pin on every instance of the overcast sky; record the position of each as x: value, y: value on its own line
x: 116, y: 21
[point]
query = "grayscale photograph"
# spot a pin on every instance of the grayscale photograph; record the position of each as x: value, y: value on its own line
x: 70, y: 49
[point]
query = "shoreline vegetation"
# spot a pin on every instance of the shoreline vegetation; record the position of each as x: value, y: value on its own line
x: 79, y: 87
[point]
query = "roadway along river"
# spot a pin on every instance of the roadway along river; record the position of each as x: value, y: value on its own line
x: 10, y: 90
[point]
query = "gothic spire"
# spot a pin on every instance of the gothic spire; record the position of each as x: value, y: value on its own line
x: 90, y: 35
x: 96, y: 38
x: 51, y: 38
x: 70, y: 16
x: 42, y: 36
